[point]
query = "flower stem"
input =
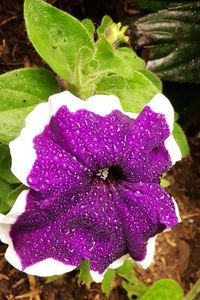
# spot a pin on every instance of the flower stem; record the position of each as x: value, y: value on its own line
x: 194, y: 293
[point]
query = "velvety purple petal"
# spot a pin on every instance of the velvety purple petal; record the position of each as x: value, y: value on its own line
x: 36, y: 235
x: 70, y: 231
x: 145, y: 209
x: 94, y: 192
x: 55, y: 168
x: 96, y: 141
x: 146, y: 156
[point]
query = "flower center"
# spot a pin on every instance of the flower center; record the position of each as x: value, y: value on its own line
x: 112, y: 173
x: 103, y: 173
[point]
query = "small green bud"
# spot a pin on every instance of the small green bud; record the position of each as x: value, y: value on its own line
x: 115, y: 34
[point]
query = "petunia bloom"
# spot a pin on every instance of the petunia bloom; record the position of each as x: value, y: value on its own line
x: 94, y: 176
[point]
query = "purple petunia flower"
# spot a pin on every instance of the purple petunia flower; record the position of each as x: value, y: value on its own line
x: 94, y: 173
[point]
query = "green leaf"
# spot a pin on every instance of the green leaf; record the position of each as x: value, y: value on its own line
x: 83, y: 59
x: 170, y: 40
x: 111, y: 85
x: 130, y: 289
x: 194, y: 293
x: 108, y: 281
x: 164, y: 182
x: 131, y: 283
x: 181, y: 139
x: 26, y: 87
x: 114, y: 33
x: 20, y: 91
x: 140, y: 90
x: 121, y: 61
x: 126, y: 269
x: 12, y: 195
x: 53, y: 278
x: 164, y: 289
x: 56, y: 36
x: 11, y: 123
x: 5, y: 189
x: 5, y: 165
x: 134, y: 94
x: 105, y: 23
x: 176, y: 116
x: 84, y: 274
x: 89, y: 26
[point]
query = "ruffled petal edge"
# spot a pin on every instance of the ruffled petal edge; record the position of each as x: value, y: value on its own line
x: 161, y: 105
x: 22, y: 149
x: 99, y: 104
x: 44, y: 268
x: 98, y: 277
x: 146, y: 262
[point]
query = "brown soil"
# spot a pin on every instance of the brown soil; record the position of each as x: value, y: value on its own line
x: 177, y: 252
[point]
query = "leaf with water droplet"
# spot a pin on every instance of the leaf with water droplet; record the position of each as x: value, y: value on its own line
x: 20, y: 91
x: 56, y: 35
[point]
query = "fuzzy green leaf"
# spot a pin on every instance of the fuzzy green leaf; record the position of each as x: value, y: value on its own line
x: 134, y: 93
x: 105, y: 23
x: 53, y: 278
x: 126, y: 269
x: 181, y: 139
x: 20, y: 91
x: 164, y: 182
x: 5, y: 190
x: 5, y: 165
x: 108, y: 281
x: 12, y: 196
x: 121, y: 61
x: 11, y: 123
x: 56, y: 36
x: 164, y: 289
x: 84, y: 274
x: 89, y: 26
x: 131, y: 283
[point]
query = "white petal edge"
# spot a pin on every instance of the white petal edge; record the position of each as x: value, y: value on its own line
x: 5, y: 225
x: 119, y: 262
x: 98, y: 277
x: 173, y: 149
x: 1, y: 217
x: 177, y: 210
x: 161, y: 105
x: 145, y: 263
x: 99, y: 104
x: 22, y: 149
x: 9, y: 219
x: 47, y: 267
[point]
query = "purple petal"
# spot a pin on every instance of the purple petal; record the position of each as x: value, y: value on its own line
x: 55, y: 168
x: 108, y: 223
x: 95, y: 140
x: 145, y: 210
x: 22, y: 150
x: 94, y: 192
x: 147, y: 154
x: 69, y: 231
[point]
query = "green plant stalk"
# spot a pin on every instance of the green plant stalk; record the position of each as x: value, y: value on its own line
x: 194, y: 293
